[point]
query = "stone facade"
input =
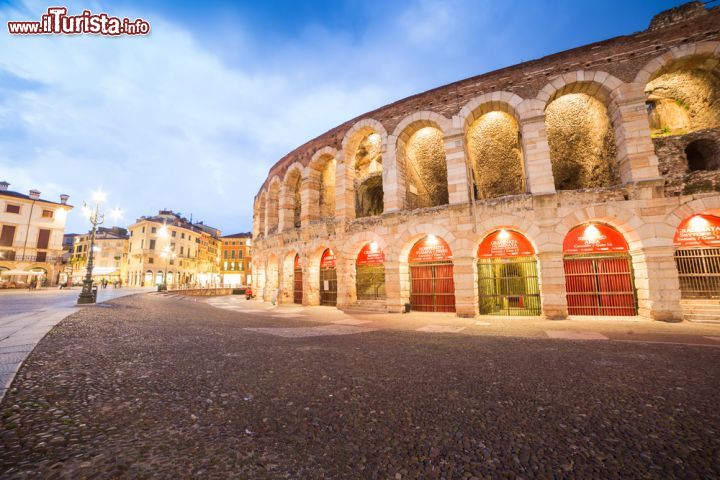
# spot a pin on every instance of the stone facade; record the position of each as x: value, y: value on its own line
x: 629, y: 187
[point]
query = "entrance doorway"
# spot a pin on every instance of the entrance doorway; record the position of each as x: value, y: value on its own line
x: 370, y: 273
x: 432, y: 286
x: 507, y: 275
x: 697, y: 257
x: 297, y: 281
x: 598, y: 272
x: 328, y: 279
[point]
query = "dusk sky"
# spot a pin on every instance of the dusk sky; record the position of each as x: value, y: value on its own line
x: 191, y: 117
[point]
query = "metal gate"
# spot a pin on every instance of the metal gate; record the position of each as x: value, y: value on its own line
x: 328, y: 286
x: 432, y: 287
x: 370, y: 282
x: 600, y: 285
x: 508, y: 286
x: 699, y: 272
x: 297, y: 286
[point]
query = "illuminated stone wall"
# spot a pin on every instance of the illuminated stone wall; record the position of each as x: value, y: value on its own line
x: 368, y: 177
x: 425, y: 169
x: 582, y: 144
x: 495, y: 155
x: 327, y: 189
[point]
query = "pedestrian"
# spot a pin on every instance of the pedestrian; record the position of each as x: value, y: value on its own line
x: 33, y: 284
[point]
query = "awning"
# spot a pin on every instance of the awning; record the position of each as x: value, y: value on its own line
x: 11, y: 273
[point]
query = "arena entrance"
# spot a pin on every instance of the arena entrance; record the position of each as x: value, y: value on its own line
x: 598, y: 272
x: 432, y: 287
x: 507, y: 275
x: 370, y: 273
x: 697, y: 256
x: 328, y: 279
x: 297, y: 281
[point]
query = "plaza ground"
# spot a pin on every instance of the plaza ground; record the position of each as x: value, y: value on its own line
x: 161, y: 386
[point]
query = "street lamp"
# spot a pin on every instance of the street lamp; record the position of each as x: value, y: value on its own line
x: 167, y: 254
x: 96, y: 218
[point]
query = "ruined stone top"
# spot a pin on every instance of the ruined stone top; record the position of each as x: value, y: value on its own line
x: 622, y: 57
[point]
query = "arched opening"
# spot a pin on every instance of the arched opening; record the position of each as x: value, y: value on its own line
x: 292, y: 204
x: 495, y: 155
x: 507, y: 275
x: 328, y: 279
x: 598, y: 272
x: 370, y: 273
x: 697, y: 257
x: 367, y: 180
x: 684, y: 96
x: 148, y: 280
x: 261, y: 214
x: 432, y: 286
x: 273, y: 207
x: 425, y: 168
x: 297, y: 281
x: 272, y: 279
x: 582, y: 142
x: 159, y: 276
x: 703, y: 154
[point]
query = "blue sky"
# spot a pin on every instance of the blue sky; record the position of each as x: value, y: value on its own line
x: 192, y: 116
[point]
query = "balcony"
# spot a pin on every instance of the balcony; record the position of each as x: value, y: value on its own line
x: 44, y: 257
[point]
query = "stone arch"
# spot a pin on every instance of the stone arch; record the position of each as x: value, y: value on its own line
x: 493, y: 144
x: 683, y: 89
x: 420, y: 160
x: 349, y: 254
x: 291, y: 206
x: 411, y: 234
x: 286, y: 276
x: 260, y: 213
x: 581, y: 131
x: 321, y: 178
x: 636, y: 231
x: 361, y: 174
x: 272, y: 209
x: 311, y: 272
x: 708, y: 205
x: 522, y: 225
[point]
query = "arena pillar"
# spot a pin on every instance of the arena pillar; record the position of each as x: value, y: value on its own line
x: 465, y: 277
x: 345, y: 269
x: 536, y: 154
x: 657, y: 283
x: 311, y: 282
x: 553, y: 296
x: 395, y: 303
x: 457, y: 171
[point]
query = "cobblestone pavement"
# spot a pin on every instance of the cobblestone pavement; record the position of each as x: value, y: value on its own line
x: 25, y: 318
x: 171, y: 388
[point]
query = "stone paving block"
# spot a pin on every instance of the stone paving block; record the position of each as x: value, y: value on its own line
x: 18, y: 348
x: 9, y: 368
x: 12, y: 358
x: 301, y: 332
x: 570, y: 335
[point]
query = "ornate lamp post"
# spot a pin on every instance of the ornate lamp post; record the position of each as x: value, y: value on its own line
x: 96, y: 218
x: 168, y: 255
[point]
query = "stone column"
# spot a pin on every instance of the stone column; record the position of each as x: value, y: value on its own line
x: 344, y: 190
x: 395, y: 303
x: 345, y: 270
x: 310, y: 199
x: 536, y: 155
x: 457, y: 171
x: 393, y: 188
x: 635, y: 150
x: 465, y: 277
x: 657, y: 283
x: 553, y: 296
x: 285, y: 282
x: 311, y: 282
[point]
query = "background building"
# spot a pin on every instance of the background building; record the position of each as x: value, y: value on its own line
x: 583, y: 183
x: 236, y: 259
x: 110, y: 259
x: 31, y: 237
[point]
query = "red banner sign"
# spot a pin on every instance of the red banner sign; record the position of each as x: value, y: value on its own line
x: 328, y: 259
x: 370, y: 255
x: 430, y: 249
x: 594, y: 238
x: 298, y: 263
x: 698, y: 231
x: 505, y: 243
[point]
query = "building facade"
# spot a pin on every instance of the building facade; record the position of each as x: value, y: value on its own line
x: 236, y: 259
x: 31, y: 237
x: 582, y: 183
x: 169, y: 246
x: 110, y: 259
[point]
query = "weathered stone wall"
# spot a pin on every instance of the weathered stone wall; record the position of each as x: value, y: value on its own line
x: 674, y: 166
x: 426, y: 169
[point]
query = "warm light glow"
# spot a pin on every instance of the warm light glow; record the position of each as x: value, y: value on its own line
x: 592, y: 234
x: 163, y: 232
x: 99, y: 196
x: 431, y: 240
x: 116, y: 214
x: 61, y: 214
x: 698, y: 224
x: 504, y: 234
x: 96, y: 248
x: 373, y: 247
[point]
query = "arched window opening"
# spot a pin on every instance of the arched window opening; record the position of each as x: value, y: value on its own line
x: 367, y: 180
x: 327, y: 189
x: 425, y: 169
x: 582, y: 142
x: 493, y: 142
x: 703, y: 154
x: 432, y: 284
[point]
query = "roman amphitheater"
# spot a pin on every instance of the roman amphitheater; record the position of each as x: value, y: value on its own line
x: 583, y: 183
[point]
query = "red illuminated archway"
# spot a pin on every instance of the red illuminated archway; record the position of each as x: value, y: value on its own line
x: 370, y: 273
x: 297, y: 280
x: 432, y: 286
x: 328, y: 278
x: 697, y: 256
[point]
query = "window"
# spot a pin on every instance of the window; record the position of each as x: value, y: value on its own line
x: 7, y: 236
x: 47, y: 214
x: 143, y: 229
x: 240, y: 254
x: 181, y: 249
x: 225, y: 265
x: 152, y: 244
x: 225, y: 254
x: 174, y: 233
x: 12, y: 208
x: 153, y: 230
x: 182, y: 235
x: 151, y: 260
x: 142, y: 244
x: 232, y: 254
